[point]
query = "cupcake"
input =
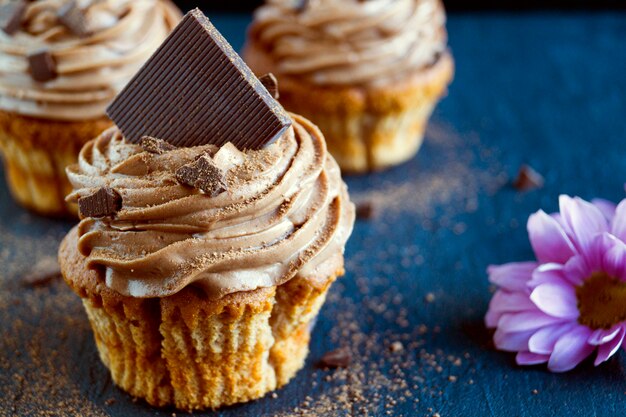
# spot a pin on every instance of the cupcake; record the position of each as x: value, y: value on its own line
x: 61, y: 63
x: 202, y: 268
x: 368, y: 73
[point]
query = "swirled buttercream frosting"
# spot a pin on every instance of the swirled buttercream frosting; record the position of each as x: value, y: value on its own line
x: 92, y: 69
x: 285, y: 213
x: 350, y: 42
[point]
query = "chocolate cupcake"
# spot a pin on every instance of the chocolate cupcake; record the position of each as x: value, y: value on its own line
x: 61, y: 63
x: 202, y: 267
x: 368, y: 73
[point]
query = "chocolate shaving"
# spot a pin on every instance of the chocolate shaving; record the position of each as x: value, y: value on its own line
x: 528, y: 179
x: 204, y: 175
x: 73, y: 18
x: 365, y: 210
x: 270, y: 83
x: 42, y: 66
x: 195, y: 90
x: 11, y: 15
x: 338, y: 358
x: 154, y: 145
x: 104, y: 202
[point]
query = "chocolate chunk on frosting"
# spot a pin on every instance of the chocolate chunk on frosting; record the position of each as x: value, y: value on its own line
x: 104, y: 202
x: 195, y: 90
x: 155, y: 145
x: 204, y: 175
x: 270, y: 83
x: 73, y: 17
x: 42, y: 66
x: 11, y: 15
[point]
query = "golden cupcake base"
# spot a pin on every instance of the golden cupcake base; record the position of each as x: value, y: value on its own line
x: 192, y: 352
x: 36, y: 152
x: 366, y: 128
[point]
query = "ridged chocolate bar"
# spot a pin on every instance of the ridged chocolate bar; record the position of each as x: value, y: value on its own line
x: 196, y: 90
x: 11, y: 16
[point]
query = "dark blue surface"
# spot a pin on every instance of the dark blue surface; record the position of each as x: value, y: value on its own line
x: 544, y: 89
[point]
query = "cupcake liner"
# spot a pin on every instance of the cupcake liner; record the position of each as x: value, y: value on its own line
x: 36, y: 152
x: 366, y: 128
x: 193, y: 352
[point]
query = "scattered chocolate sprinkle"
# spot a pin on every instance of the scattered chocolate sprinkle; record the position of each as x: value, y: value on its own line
x: 43, y: 273
x: 338, y: 358
x: 11, y: 16
x: 365, y: 210
x: 270, y: 83
x: 204, y: 175
x: 528, y: 179
x: 396, y: 346
x: 42, y: 66
x: 73, y: 18
x: 104, y: 202
x: 195, y: 90
x: 154, y: 145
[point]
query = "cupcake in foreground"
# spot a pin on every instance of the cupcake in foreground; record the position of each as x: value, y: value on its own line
x: 368, y: 73
x: 61, y: 63
x: 203, y: 257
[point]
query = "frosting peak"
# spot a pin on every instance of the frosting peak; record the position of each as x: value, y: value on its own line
x: 92, y: 69
x: 286, y: 212
x: 350, y: 42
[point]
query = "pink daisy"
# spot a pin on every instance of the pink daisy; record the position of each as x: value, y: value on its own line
x: 572, y: 301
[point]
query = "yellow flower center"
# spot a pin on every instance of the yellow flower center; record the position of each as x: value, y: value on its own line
x: 601, y: 301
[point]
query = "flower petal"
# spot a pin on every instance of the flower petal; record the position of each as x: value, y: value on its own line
x: 614, y: 259
x: 556, y: 300
x: 529, y: 358
x: 548, y: 239
x: 602, y: 336
x: 606, y: 207
x: 576, y: 270
x: 512, y: 276
x: 526, y: 320
x: 506, y: 302
x: 618, y: 226
x: 570, y: 350
x: 607, y: 350
x: 583, y: 219
x: 548, y: 273
x: 544, y: 339
x: 513, y: 341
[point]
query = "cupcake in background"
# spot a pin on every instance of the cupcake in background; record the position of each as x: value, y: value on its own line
x: 61, y: 63
x: 367, y: 73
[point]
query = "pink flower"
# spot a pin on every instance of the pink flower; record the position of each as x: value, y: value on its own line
x: 572, y: 300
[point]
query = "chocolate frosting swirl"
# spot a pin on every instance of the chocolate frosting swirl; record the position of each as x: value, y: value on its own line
x: 286, y: 212
x: 92, y: 69
x: 350, y: 42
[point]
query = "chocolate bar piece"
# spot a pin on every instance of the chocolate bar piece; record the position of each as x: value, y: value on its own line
x: 338, y: 358
x: 157, y: 146
x: 195, y: 90
x: 73, y: 18
x: 270, y: 83
x: 104, y: 202
x: 42, y: 66
x: 11, y: 15
x: 204, y: 175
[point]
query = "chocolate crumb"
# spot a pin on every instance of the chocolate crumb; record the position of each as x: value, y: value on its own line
x: 535, y: 392
x: 528, y: 179
x: 338, y: 358
x: 155, y: 145
x: 110, y: 401
x: 11, y: 15
x: 42, y: 66
x: 104, y: 202
x: 365, y: 210
x: 270, y: 83
x: 396, y: 347
x: 204, y: 175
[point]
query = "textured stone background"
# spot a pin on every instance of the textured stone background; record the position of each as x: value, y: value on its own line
x: 544, y: 89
